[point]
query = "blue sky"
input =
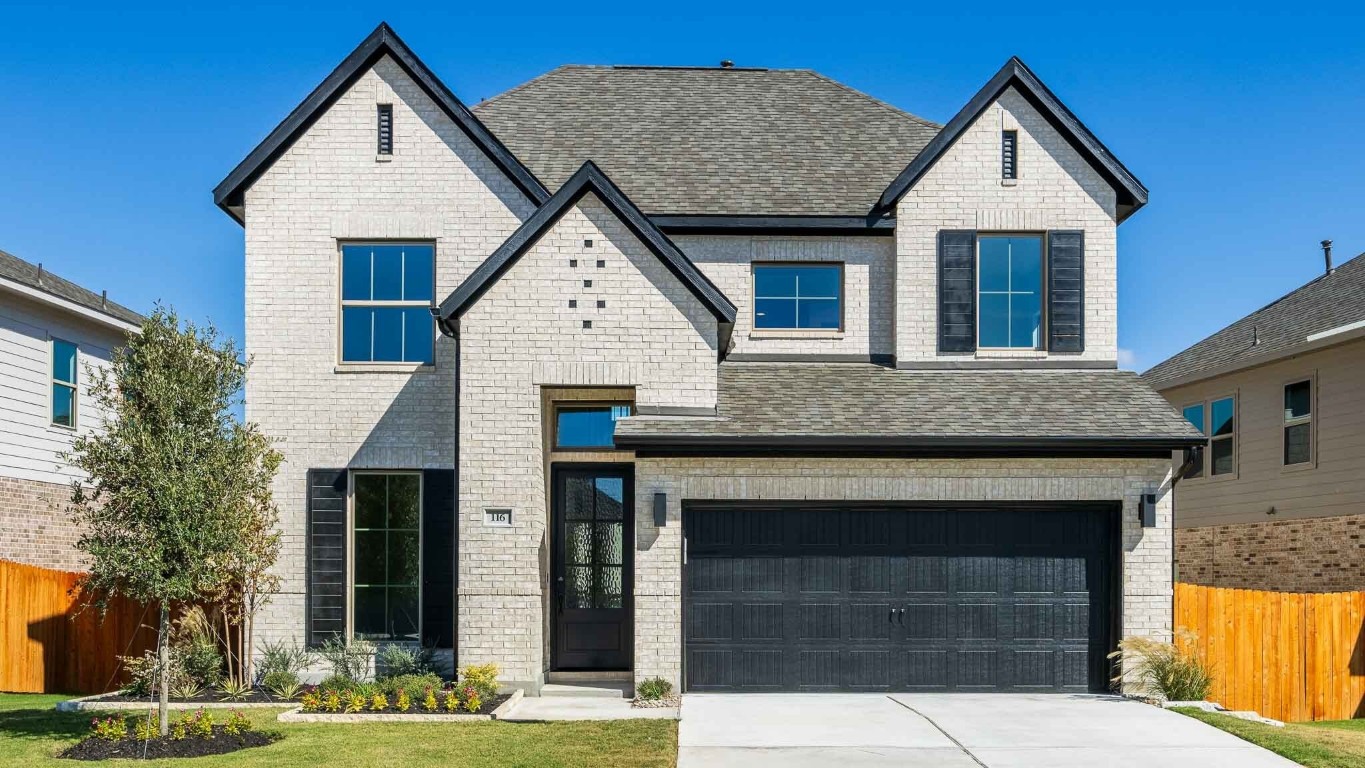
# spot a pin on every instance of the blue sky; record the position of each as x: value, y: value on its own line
x: 118, y: 121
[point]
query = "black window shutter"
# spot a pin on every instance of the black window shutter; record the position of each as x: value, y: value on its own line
x: 325, y: 600
x: 438, y: 558
x: 956, y: 290
x: 1066, y: 291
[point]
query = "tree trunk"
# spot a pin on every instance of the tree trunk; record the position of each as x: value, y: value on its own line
x: 248, y: 656
x: 163, y: 660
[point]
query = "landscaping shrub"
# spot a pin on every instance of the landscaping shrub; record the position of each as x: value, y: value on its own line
x: 403, y: 660
x: 482, y: 678
x: 338, y: 683
x: 234, y: 690
x: 195, y: 647
x: 110, y: 728
x: 1163, y: 670
x: 413, y: 684
x: 279, y: 657
x: 350, y: 659
x: 654, y: 688
x: 281, y: 684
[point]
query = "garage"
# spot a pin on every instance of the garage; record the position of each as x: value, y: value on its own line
x: 801, y: 596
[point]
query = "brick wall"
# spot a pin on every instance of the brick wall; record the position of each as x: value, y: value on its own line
x: 34, y: 526
x: 1146, y: 567
x: 651, y: 334
x: 1056, y: 189
x: 1325, y: 554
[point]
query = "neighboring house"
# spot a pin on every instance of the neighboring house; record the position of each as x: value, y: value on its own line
x: 1277, y: 500
x: 738, y: 377
x: 50, y: 331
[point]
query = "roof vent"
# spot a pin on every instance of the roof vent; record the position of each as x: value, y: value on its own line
x: 40, y: 274
x: 104, y: 299
x: 727, y: 64
x: 1327, y: 255
x: 1255, y: 336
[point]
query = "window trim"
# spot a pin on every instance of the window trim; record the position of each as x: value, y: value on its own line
x: 350, y: 547
x: 1204, y: 429
x: 758, y: 264
x: 1311, y: 420
x: 53, y: 382
x: 582, y: 405
x: 1236, y: 436
x: 1044, y: 256
x: 381, y: 366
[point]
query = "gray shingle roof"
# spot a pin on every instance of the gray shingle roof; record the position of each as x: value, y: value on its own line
x: 1327, y: 302
x: 14, y: 268
x: 711, y: 141
x: 826, y: 400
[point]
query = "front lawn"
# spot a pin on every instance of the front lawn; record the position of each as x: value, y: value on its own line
x: 32, y: 733
x: 1331, y: 744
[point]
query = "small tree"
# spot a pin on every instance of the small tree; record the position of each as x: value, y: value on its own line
x: 251, y: 575
x: 162, y: 515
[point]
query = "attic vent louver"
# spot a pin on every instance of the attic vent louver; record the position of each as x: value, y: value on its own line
x: 1009, y: 155
x: 385, y: 125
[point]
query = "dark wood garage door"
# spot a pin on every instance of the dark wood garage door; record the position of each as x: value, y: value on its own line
x: 859, y: 597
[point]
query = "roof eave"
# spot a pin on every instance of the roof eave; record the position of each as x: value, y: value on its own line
x: 66, y: 305
x: 1132, y: 194
x: 905, y: 447
x: 229, y: 195
x: 1301, y: 348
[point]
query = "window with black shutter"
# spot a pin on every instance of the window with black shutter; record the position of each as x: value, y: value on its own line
x: 1066, y: 291
x: 386, y: 129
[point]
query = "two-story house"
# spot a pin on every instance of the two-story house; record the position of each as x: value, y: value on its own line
x: 733, y: 376
x: 52, y: 332
x: 1277, y: 499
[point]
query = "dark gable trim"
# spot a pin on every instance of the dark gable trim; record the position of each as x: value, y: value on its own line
x: 726, y: 446
x: 229, y: 193
x: 588, y: 178
x: 879, y: 226
x: 1132, y: 195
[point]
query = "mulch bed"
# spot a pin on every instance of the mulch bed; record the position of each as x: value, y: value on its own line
x: 258, y: 696
x: 417, y: 709
x: 93, y: 748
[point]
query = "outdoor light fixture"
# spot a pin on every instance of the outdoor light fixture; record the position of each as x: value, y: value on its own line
x: 1147, y: 510
x: 660, y: 509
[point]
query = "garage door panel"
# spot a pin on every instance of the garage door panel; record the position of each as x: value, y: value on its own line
x: 982, y: 598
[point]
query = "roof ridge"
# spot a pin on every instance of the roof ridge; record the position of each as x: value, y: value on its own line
x: 869, y: 97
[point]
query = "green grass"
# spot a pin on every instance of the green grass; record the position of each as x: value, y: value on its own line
x: 32, y: 733
x: 1331, y: 744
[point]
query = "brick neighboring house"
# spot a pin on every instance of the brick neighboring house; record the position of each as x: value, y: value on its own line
x: 1277, y: 501
x: 706, y: 395
x: 50, y: 330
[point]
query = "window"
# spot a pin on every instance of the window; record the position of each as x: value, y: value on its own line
x: 1298, y: 422
x: 387, y: 563
x: 798, y: 296
x: 591, y: 426
x: 1222, y: 435
x: 1009, y: 155
x: 386, y: 294
x: 1194, y: 414
x: 385, y: 126
x: 1010, y: 292
x: 63, y: 384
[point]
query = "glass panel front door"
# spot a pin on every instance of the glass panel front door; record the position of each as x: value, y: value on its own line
x: 592, y: 567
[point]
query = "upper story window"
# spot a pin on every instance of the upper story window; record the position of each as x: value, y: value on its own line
x: 798, y: 296
x: 387, y: 540
x: 1222, y: 436
x: 1298, y: 422
x: 587, y: 427
x: 1010, y: 291
x: 1194, y: 414
x: 64, y: 384
x: 386, y: 295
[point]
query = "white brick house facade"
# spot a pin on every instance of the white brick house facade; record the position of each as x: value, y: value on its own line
x: 582, y: 297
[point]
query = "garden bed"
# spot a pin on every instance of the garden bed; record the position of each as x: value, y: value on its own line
x: 491, y: 709
x: 119, y: 701
x: 95, y: 748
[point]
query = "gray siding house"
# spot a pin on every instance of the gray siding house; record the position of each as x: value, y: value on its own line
x: 732, y: 376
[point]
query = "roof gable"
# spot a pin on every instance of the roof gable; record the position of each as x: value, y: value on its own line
x: 589, y: 178
x: 383, y: 41
x: 1132, y: 195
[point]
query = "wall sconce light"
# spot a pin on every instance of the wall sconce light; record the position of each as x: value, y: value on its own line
x: 660, y: 509
x: 1147, y: 510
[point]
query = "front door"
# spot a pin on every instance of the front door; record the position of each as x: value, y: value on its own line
x: 592, y: 558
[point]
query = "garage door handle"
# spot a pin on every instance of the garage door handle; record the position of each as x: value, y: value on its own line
x: 891, y: 617
x: 902, y: 622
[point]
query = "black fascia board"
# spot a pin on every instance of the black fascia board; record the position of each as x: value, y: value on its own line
x: 904, y: 447
x: 383, y: 40
x: 588, y: 178
x: 1131, y: 191
x: 719, y: 224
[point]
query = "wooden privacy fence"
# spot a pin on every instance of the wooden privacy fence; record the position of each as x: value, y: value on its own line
x: 1288, y: 655
x: 47, y: 644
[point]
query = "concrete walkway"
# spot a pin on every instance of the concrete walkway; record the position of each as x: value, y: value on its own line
x: 952, y: 731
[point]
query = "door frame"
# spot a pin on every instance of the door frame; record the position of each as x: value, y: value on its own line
x: 627, y: 470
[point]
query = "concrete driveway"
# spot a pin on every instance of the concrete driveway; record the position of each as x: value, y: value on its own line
x: 950, y: 731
